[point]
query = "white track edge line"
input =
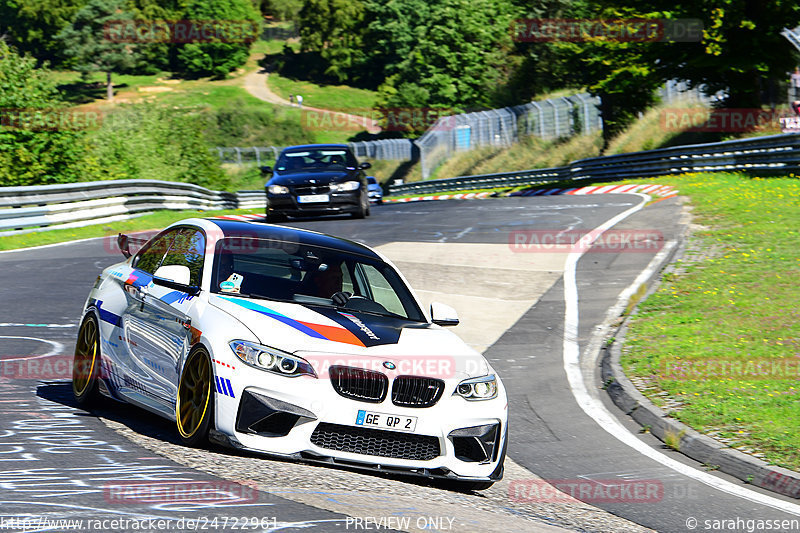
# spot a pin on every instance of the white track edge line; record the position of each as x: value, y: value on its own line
x: 597, y: 411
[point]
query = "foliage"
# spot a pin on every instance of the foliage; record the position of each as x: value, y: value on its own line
x: 742, y: 50
x: 220, y: 55
x: 154, y: 57
x: 29, y: 25
x: 145, y: 141
x: 237, y: 125
x: 280, y: 9
x: 88, y: 45
x: 32, y: 155
x: 457, y: 56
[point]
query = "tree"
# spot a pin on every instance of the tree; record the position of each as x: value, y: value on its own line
x: 34, y: 152
x: 90, y: 45
x: 233, y: 24
x: 623, y: 73
x: 741, y: 50
x: 332, y: 28
x: 29, y: 25
x: 456, y: 59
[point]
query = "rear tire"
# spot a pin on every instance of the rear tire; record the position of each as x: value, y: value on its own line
x: 194, y: 406
x: 86, y: 364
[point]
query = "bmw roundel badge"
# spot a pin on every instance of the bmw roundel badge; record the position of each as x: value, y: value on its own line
x: 389, y: 365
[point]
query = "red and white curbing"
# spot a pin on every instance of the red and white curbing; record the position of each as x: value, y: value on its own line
x: 468, y: 196
x: 242, y: 218
x: 663, y: 191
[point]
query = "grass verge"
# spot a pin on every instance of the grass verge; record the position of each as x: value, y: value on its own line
x: 156, y: 220
x: 721, y: 335
x: 333, y: 97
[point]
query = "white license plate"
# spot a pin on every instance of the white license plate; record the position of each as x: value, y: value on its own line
x: 386, y: 421
x: 313, y: 198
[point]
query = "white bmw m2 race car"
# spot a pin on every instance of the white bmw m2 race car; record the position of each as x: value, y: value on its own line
x: 291, y: 343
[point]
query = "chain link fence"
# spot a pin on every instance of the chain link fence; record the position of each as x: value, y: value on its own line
x: 550, y: 119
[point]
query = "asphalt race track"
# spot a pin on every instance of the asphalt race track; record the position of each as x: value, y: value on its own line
x: 58, y: 462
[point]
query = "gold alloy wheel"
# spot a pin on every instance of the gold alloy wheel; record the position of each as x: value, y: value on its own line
x: 86, y: 359
x: 194, y: 393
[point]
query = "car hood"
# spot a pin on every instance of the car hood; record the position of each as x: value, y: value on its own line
x: 327, y: 336
x: 322, y: 178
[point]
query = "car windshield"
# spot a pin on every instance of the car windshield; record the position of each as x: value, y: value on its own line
x: 323, y: 159
x: 371, y: 180
x: 310, y: 275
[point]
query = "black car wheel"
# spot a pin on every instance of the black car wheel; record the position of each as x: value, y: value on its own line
x: 86, y: 365
x: 363, y: 207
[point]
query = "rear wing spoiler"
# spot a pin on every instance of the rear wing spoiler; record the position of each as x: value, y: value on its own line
x: 126, y: 241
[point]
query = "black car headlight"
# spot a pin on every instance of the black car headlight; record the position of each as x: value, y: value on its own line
x: 474, y: 389
x: 271, y: 360
x: 278, y: 189
x: 345, y: 186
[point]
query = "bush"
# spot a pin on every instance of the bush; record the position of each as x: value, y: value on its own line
x: 145, y: 141
x: 35, y: 154
x: 238, y: 125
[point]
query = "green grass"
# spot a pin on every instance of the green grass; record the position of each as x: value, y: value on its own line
x: 334, y: 97
x: 732, y: 299
x: 156, y: 220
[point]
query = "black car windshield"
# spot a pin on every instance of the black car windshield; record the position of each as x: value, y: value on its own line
x: 300, y: 160
x: 311, y: 275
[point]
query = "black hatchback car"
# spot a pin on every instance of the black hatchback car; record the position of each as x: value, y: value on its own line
x: 317, y: 179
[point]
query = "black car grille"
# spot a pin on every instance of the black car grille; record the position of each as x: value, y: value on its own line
x: 311, y: 189
x: 359, y: 384
x: 376, y: 442
x: 416, y: 391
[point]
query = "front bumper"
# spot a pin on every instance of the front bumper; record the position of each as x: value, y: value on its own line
x: 451, y: 441
x: 338, y: 203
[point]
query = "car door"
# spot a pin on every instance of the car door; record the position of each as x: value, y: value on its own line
x: 158, y: 322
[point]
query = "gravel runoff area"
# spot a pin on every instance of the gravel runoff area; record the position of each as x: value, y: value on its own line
x: 364, y: 495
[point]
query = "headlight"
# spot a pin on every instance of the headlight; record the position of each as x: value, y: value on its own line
x: 473, y: 389
x: 346, y: 186
x: 278, y: 189
x: 271, y: 360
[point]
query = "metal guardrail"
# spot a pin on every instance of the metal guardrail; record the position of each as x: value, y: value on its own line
x: 39, y: 208
x: 770, y: 153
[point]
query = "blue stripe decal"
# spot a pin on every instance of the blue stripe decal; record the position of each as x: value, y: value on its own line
x: 172, y: 297
x: 227, y: 383
x: 108, y: 316
x: 277, y: 316
x: 216, y: 380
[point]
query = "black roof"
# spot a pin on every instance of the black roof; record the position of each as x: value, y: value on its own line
x: 235, y: 228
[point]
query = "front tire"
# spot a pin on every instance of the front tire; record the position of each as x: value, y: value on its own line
x: 194, y: 406
x: 86, y: 364
x: 363, y: 207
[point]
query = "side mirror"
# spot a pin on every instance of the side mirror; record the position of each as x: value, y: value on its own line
x: 365, y: 165
x: 443, y: 315
x: 265, y: 170
x: 175, y: 277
